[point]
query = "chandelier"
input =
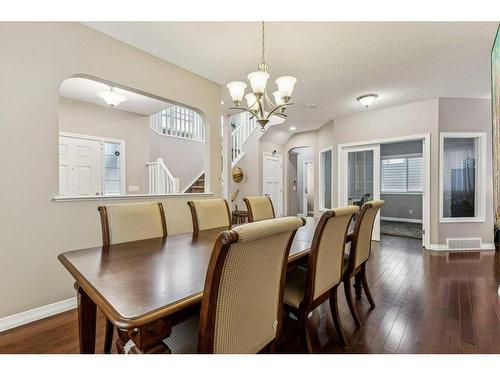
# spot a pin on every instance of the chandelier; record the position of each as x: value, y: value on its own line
x: 260, y: 106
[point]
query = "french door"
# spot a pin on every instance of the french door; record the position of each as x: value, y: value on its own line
x: 360, y: 178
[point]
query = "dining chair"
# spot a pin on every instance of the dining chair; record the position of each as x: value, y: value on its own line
x: 359, y: 253
x: 130, y: 222
x: 209, y: 213
x: 259, y: 208
x: 241, y: 307
x: 307, y: 288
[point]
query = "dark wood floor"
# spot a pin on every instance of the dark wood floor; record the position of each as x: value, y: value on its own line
x: 427, y: 302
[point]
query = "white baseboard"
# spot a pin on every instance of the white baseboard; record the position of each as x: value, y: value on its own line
x: 437, y: 247
x: 38, y: 313
x: 388, y: 218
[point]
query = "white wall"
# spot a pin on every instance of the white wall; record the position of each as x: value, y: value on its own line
x: 36, y: 59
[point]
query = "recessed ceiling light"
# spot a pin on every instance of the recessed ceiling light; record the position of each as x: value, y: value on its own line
x: 312, y: 105
x: 222, y: 102
x: 292, y: 128
x: 367, y: 100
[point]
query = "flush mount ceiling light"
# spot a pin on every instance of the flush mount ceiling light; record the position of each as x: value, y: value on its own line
x: 367, y: 100
x: 258, y: 98
x: 111, y: 97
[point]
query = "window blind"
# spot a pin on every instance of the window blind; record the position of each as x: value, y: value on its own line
x: 402, y: 175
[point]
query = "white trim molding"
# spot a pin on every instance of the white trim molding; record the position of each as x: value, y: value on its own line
x: 38, y: 313
x: 322, y: 207
x: 403, y: 220
x: 444, y: 247
x: 480, y: 196
x: 130, y: 196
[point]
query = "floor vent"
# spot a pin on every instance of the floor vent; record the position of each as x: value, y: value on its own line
x: 463, y: 243
x: 464, y: 256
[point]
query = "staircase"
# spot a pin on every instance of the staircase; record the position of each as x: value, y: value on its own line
x: 161, y: 180
x: 198, y: 186
x: 243, y: 128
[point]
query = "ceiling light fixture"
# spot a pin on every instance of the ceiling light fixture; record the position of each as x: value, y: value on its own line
x: 258, y: 98
x: 292, y: 128
x: 367, y: 100
x: 111, y: 97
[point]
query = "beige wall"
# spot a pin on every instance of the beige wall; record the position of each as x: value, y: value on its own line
x: 470, y: 115
x: 91, y: 119
x: 428, y: 116
x: 183, y: 157
x: 36, y: 59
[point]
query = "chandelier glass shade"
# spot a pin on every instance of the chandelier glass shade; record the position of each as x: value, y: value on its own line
x: 258, y: 102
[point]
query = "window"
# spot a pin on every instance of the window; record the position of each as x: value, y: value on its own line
x: 179, y: 122
x: 325, y: 175
x: 402, y: 174
x: 462, y: 173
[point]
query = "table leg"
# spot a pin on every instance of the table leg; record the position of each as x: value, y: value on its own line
x: 86, y: 322
x: 147, y: 339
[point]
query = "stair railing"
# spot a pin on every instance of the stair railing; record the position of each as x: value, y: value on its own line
x: 161, y: 180
x: 244, y: 128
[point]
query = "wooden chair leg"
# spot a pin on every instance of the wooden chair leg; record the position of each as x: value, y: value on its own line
x: 350, y: 302
x: 357, y: 285
x: 364, y: 282
x: 334, y: 308
x: 108, y: 339
x: 307, y: 333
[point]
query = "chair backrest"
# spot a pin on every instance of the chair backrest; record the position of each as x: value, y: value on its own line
x: 259, y: 208
x: 132, y: 222
x: 362, y: 235
x: 327, y: 251
x: 242, y: 300
x: 209, y: 213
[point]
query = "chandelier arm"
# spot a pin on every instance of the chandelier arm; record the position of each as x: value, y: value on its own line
x: 244, y: 109
x: 276, y: 108
x: 269, y: 101
x: 261, y: 109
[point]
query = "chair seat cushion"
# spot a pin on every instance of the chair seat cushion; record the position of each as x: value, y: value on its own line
x: 184, y: 337
x: 295, y: 287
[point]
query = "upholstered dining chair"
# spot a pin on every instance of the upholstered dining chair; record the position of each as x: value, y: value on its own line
x: 130, y: 222
x: 209, y: 213
x: 259, y: 208
x: 307, y: 288
x: 241, y: 308
x: 359, y: 253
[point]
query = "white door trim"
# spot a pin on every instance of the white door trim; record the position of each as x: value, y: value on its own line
x: 426, y: 201
x: 344, y: 183
x: 123, y: 172
x: 264, y: 154
x: 304, y: 183
x: 321, y: 188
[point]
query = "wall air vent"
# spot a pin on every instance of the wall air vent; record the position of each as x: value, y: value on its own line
x: 463, y: 243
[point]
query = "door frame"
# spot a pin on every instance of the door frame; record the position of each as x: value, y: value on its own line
x: 344, y: 181
x: 426, y: 194
x: 264, y: 154
x: 304, y: 195
x: 123, y: 173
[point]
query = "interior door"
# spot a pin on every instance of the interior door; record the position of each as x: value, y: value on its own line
x: 80, y: 167
x: 272, y: 181
x: 361, y: 178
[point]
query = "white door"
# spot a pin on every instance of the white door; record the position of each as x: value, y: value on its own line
x: 360, y: 179
x: 80, y: 167
x: 273, y: 182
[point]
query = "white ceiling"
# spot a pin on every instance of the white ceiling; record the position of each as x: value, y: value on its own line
x: 335, y: 62
x: 86, y: 90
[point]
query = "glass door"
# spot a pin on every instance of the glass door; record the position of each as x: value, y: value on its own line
x: 361, y: 179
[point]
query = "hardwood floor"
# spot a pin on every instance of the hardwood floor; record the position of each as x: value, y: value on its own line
x: 427, y: 302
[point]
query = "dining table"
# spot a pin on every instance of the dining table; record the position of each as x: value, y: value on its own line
x: 146, y: 287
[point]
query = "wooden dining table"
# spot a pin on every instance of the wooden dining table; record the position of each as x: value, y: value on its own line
x: 146, y: 287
